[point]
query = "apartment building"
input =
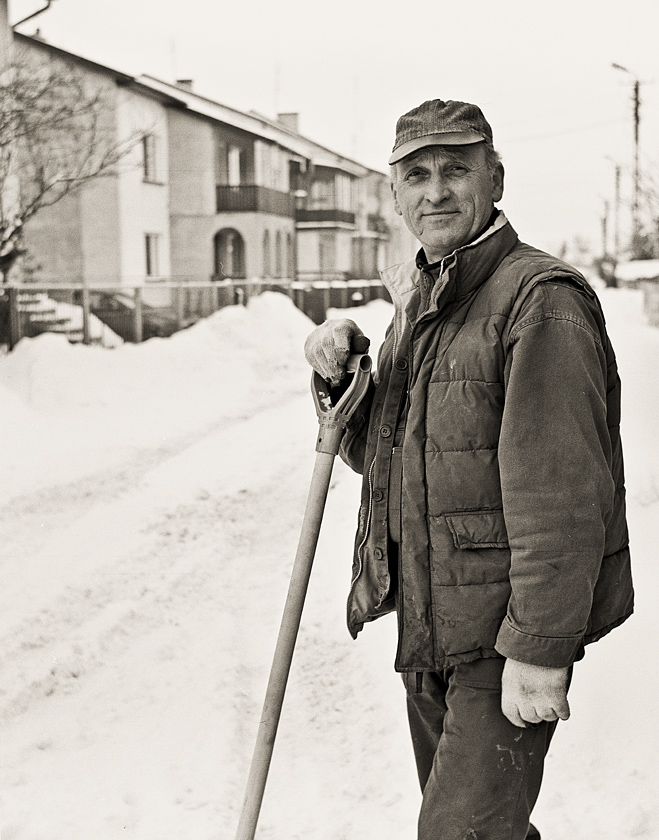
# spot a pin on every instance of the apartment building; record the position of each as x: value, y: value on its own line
x: 209, y: 192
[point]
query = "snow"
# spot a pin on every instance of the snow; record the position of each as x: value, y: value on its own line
x: 152, y: 501
x: 632, y: 270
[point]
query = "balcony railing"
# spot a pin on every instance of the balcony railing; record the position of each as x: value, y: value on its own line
x: 326, y: 215
x: 253, y: 199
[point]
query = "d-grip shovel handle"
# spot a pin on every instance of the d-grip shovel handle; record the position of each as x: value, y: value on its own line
x: 333, y: 417
x: 333, y: 420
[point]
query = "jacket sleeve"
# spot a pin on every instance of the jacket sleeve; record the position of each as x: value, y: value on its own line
x: 555, y: 468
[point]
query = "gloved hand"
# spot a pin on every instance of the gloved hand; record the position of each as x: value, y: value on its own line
x: 327, y: 348
x: 533, y: 693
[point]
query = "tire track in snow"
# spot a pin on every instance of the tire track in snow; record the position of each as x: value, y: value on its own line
x: 184, y: 522
x: 27, y: 520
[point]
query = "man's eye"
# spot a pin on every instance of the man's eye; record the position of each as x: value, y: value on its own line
x: 412, y: 174
x: 457, y: 169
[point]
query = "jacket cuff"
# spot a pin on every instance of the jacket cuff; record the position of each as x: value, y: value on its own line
x: 550, y: 652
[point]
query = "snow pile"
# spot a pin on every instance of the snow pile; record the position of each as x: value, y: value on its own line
x: 154, y: 497
x: 99, y: 403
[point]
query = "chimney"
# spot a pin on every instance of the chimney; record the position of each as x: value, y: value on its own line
x: 290, y: 120
x: 186, y: 84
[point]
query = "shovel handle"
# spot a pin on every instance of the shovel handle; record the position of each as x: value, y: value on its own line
x: 333, y: 419
x: 335, y: 413
x: 283, y: 655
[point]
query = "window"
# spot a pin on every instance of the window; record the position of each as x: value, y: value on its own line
x: 152, y: 243
x: 326, y: 253
x: 290, y: 257
x: 221, y: 157
x: 322, y: 195
x: 267, y: 268
x: 278, y: 255
x: 235, y: 166
x: 229, y: 254
x: 150, y: 158
x: 343, y: 192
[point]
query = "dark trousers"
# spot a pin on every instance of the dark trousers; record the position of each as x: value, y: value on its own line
x: 479, y: 774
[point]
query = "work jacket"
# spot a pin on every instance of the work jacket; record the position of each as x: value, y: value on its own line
x: 513, y: 533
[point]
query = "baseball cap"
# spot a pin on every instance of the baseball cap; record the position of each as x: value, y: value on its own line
x: 439, y: 123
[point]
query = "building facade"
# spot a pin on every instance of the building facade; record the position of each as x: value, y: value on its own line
x: 208, y: 192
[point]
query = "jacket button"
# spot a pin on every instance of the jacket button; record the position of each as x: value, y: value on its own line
x: 377, y: 553
x: 378, y: 495
x: 401, y: 364
x: 385, y: 431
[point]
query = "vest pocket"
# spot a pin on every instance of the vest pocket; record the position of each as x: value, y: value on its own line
x: 478, y: 529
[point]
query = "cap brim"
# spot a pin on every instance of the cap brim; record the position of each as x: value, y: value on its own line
x: 447, y: 138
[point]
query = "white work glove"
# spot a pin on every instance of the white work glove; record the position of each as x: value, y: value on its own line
x: 533, y: 693
x: 327, y: 348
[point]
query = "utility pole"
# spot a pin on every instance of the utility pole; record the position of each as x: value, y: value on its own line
x: 636, y: 222
x: 637, y: 121
x: 616, y: 217
x: 605, y: 230
x: 616, y: 211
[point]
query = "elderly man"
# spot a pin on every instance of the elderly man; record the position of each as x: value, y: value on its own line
x: 492, y: 516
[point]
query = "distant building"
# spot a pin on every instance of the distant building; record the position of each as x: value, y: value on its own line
x: 210, y: 192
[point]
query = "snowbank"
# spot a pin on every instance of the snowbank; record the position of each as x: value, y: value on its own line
x: 66, y: 409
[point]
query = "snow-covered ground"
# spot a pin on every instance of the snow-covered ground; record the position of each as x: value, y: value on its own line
x: 152, y: 498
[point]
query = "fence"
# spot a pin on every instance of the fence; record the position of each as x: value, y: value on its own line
x: 109, y: 315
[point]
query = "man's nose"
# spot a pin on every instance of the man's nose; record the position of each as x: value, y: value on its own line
x: 437, y: 189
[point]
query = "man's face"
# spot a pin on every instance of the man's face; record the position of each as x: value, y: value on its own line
x: 445, y: 195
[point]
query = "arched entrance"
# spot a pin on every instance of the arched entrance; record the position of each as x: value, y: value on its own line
x: 229, y: 254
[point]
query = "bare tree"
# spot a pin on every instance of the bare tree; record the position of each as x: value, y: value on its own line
x: 56, y: 134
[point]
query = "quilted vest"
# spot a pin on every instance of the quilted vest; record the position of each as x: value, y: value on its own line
x: 453, y: 589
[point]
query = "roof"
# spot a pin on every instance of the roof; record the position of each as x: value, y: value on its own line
x: 122, y: 79
x: 259, y: 125
x: 175, y: 96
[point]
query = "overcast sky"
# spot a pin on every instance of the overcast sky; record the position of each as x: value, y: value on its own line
x: 541, y: 72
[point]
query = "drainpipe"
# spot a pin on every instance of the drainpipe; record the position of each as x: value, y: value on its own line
x: 33, y: 15
x: 5, y: 35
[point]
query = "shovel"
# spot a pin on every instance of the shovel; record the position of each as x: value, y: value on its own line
x: 333, y: 419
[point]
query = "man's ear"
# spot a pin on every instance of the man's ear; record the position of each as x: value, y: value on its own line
x: 497, y: 181
x: 395, y: 197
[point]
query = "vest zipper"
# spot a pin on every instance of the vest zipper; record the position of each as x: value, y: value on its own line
x: 367, y: 525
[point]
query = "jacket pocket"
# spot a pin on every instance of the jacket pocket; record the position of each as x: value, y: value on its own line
x: 478, y: 529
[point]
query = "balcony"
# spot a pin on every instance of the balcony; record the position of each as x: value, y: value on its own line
x: 325, y: 215
x: 253, y: 199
